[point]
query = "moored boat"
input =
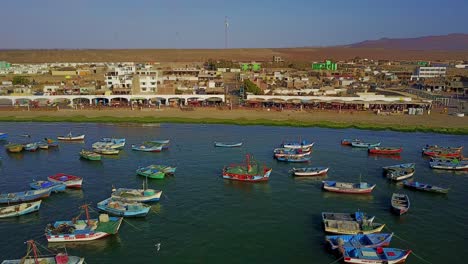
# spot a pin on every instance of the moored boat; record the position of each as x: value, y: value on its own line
x: 348, y: 142
x: 250, y: 171
x: 346, y: 187
x: 441, y: 148
x: 20, y: 209
x: 83, y: 230
x: 156, y: 171
x: 357, y: 217
x: 14, y: 148
x: 449, y: 164
x: 309, y: 171
x: 298, y: 144
x: 70, y: 137
x: 360, y: 144
x: 359, y: 241
x: 294, y: 158
x: 112, y: 143
x: 385, y: 150
x: 425, y: 187
x: 148, y: 147
x: 400, y: 203
x: 3, y: 136
x: 445, y: 154
x: 123, y: 208
x: 400, y: 174
x: 33, y: 256
x: 400, y: 166
x: 51, y: 143
x: 26, y: 196
x: 70, y: 181
x: 107, y: 151
x: 228, y: 144
x: 282, y: 152
x: 161, y: 141
x: 137, y: 195
x: 377, y: 255
x: 53, y: 186
x: 89, y: 155
x: 31, y: 147
x: 352, y: 227
x: 42, y: 145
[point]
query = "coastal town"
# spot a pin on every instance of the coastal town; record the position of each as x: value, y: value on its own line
x: 359, y: 84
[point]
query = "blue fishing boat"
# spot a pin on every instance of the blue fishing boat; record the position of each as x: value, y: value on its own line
x: 228, y: 145
x: 20, y: 209
x: 425, y: 187
x: 26, y: 196
x: 360, y: 144
x: 53, y: 186
x: 294, y: 158
x: 113, y: 143
x: 147, y: 148
x: 137, y: 195
x: 31, y: 147
x: 348, y: 187
x: 3, y: 136
x: 400, y: 166
x: 377, y: 255
x: 280, y: 152
x: 123, y: 208
x: 359, y: 241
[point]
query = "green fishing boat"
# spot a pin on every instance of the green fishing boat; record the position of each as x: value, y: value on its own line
x: 89, y: 155
x: 14, y: 148
x: 156, y: 171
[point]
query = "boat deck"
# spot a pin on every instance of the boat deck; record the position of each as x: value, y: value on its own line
x: 111, y: 227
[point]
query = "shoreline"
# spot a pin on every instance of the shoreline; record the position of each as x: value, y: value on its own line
x: 436, y: 123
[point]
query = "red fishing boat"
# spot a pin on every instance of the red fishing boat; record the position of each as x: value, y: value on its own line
x: 70, y: 181
x: 445, y: 154
x: 251, y: 171
x: 385, y: 150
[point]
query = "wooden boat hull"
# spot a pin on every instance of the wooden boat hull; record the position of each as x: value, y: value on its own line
x: 90, y: 156
x: 125, y: 211
x: 374, y: 240
x: 442, y: 154
x: 53, y: 186
x: 15, y: 148
x: 350, y: 228
x: 20, y: 209
x: 364, y: 145
x: 3, y: 136
x: 400, y: 203
x: 318, y: 172
x: 147, y: 149
x: 400, y: 166
x: 348, y: 142
x: 107, y: 151
x: 379, y: 151
x: 70, y: 181
x: 328, y: 186
x: 228, y: 145
x: 394, y: 177
x: 388, y: 255
x: 425, y: 187
x: 12, y: 198
x: 83, y: 235
x: 449, y: 165
x: 294, y: 159
x: 298, y: 145
x: 31, y: 260
x: 247, y: 178
x: 67, y: 138
x: 141, y: 197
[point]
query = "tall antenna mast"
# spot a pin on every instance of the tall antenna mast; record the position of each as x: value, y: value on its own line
x: 226, y: 25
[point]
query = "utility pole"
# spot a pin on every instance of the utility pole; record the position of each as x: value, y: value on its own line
x: 226, y: 25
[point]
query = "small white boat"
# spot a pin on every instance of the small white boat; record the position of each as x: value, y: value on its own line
x: 228, y: 145
x: 310, y: 171
x: 20, y: 209
x: 70, y: 137
x: 400, y: 174
x: 107, y: 151
x: 449, y: 164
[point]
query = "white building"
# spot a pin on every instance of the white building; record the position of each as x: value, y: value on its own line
x: 147, y: 80
x: 120, y: 76
x: 429, y: 72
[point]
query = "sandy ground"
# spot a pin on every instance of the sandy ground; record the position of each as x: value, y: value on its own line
x: 434, y: 120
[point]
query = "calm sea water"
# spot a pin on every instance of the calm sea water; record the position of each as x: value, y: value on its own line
x: 202, y: 218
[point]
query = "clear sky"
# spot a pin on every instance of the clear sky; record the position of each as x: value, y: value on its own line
x: 109, y: 24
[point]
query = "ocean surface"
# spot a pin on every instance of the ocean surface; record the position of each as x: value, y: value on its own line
x: 202, y: 218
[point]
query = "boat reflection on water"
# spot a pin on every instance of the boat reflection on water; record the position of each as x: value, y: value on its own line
x: 248, y: 186
x: 312, y: 179
x: 347, y: 197
x: 16, y: 155
x: 105, y: 244
x: 378, y: 156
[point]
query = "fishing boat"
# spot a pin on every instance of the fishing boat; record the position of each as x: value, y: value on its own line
x: 26, y: 196
x: 70, y: 137
x: 33, y: 256
x: 228, y: 144
x: 294, y: 158
x: 148, y: 148
x: 53, y: 186
x: 113, y: 143
x: 137, y: 195
x: 298, y: 144
x: 352, y: 227
x: 30, y: 147
x: 281, y: 152
x: 449, y: 164
x: 400, y: 174
x: 42, y: 145
x: 441, y: 148
x: 445, y: 154
x: 348, y: 142
x: 309, y: 171
x: 400, y: 166
x: 107, y: 151
x: 51, y: 143
x: 377, y: 255
x: 346, y: 187
x: 20, y: 209
x: 89, y: 155
x: 70, y: 181
x: 357, y: 217
x: 250, y: 171
x: 359, y: 241
x: 425, y: 187
x: 157, y: 143
x: 360, y: 144
x: 123, y: 208
x: 400, y: 203
x: 385, y: 150
x: 14, y: 148
x: 83, y: 230
x: 3, y: 136
x: 156, y: 171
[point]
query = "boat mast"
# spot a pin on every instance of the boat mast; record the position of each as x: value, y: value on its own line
x: 34, y: 249
x: 85, y: 206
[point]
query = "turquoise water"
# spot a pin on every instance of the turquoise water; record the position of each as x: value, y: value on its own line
x: 202, y: 218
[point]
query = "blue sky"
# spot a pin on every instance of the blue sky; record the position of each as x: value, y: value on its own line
x: 200, y: 24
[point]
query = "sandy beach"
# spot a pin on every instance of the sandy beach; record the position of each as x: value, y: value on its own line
x: 436, y: 121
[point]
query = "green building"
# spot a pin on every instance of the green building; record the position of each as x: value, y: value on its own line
x: 251, y: 66
x: 4, y: 65
x: 423, y: 63
x: 328, y: 65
